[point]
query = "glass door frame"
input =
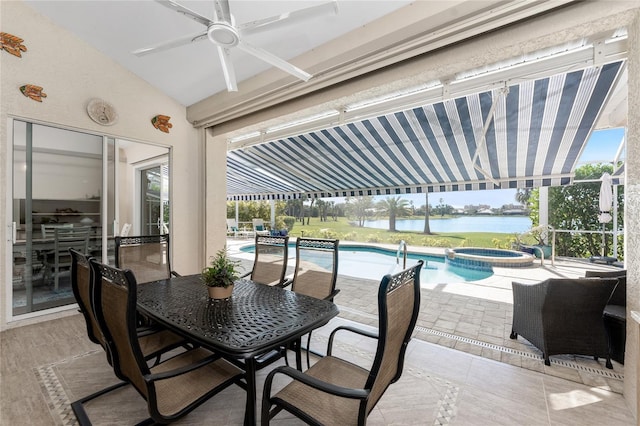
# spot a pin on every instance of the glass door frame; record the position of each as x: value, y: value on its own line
x: 150, y: 163
x: 104, y: 206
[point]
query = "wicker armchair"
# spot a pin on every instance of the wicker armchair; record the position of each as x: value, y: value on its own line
x: 615, y: 313
x: 154, y: 342
x: 334, y: 391
x: 563, y: 316
x: 172, y: 388
x: 147, y: 256
x: 270, y: 264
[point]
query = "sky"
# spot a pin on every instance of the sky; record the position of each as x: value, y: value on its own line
x: 601, y: 147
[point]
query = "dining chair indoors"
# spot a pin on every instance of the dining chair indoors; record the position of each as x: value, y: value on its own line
x: 337, y: 392
x: 154, y: 342
x: 58, y: 261
x: 172, y: 388
x: 146, y: 255
x: 270, y: 264
x: 316, y: 271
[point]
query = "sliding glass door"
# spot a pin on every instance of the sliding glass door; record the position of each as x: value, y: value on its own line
x: 155, y: 199
x: 71, y: 185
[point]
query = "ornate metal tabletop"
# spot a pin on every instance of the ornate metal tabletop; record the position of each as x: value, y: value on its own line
x: 255, y: 319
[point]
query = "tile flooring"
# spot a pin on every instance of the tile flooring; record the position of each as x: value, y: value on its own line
x: 46, y: 366
x: 461, y: 368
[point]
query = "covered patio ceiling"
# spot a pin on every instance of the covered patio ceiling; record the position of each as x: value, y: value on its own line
x: 514, y: 135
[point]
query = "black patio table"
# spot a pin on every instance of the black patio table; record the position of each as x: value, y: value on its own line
x: 255, y: 320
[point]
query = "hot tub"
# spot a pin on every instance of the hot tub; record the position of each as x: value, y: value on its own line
x: 486, y: 258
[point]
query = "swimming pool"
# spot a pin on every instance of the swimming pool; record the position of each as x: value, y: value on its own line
x: 374, y: 262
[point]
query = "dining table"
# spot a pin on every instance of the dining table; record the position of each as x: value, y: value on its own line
x: 254, y: 321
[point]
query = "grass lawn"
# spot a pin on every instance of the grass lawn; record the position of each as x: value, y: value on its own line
x: 344, y: 231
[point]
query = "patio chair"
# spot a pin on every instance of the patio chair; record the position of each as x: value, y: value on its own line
x: 615, y: 313
x: 58, y: 260
x: 153, y: 341
x: 563, y: 316
x: 338, y: 392
x: 147, y: 256
x: 270, y: 264
x: 259, y: 227
x: 316, y: 271
x: 172, y: 388
x: 234, y: 231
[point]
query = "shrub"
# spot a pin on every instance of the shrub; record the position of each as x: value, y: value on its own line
x: 285, y: 222
x: 328, y: 233
x: 349, y: 236
x: 373, y: 238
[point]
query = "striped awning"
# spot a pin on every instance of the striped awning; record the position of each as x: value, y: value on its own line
x: 526, y: 135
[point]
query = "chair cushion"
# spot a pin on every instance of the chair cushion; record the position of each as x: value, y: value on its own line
x: 259, y: 228
x: 616, y: 311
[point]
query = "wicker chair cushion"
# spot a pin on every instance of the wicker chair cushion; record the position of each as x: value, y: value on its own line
x: 333, y: 370
x: 619, y: 296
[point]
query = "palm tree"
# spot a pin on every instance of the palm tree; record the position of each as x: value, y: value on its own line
x: 393, y: 207
x: 427, y: 228
x: 523, y: 195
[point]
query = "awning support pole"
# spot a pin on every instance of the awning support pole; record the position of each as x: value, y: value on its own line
x: 502, y: 92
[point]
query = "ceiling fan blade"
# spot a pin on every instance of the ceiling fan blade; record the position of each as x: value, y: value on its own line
x: 186, y: 11
x: 160, y: 47
x: 227, y: 69
x: 274, y: 60
x: 221, y: 10
x: 289, y: 17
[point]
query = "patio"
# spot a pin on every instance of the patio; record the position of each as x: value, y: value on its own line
x: 474, y: 318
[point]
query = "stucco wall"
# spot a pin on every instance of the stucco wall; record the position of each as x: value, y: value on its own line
x: 71, y: 73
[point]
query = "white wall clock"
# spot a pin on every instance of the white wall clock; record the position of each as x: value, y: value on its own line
x: 102, y: 112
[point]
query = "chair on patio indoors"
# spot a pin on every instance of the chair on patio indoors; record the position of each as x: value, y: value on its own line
x: 147, y: 256
x: 259, y: 227
x: 153, y: 341
x: 270, y: 264
x: 615, y: 312
x: 563, y: 316
x: 338, y: 392
x: 58, y: 260
x: 316, y: 271
x: 171, y: 388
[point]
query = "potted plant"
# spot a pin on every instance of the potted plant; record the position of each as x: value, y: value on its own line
x: 220, y: 275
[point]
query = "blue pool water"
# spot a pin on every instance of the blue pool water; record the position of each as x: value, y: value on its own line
x: 374, y: 262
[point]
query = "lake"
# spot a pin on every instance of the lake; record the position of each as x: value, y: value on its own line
x: 500, y: 224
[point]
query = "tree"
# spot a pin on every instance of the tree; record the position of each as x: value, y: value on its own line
x: 523, y: 195
x: 575, y: 207
x: 427, y: 228
x: 358, y: 207
x: 310, y: 208
x: 393, y: 207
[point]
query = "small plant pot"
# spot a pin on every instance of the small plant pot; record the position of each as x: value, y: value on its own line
x: 220, y: 292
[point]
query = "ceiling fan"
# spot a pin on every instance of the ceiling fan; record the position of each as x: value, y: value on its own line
x: 225, y: 34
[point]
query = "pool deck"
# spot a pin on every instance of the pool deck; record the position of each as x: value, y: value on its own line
x: 473, y: 317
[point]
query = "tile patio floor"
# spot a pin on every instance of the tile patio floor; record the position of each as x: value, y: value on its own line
x: 473, y: 317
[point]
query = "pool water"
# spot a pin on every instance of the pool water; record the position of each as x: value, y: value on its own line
x: 374, y: 262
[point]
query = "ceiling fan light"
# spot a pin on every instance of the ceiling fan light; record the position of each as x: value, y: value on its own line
x: 223, y: 34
